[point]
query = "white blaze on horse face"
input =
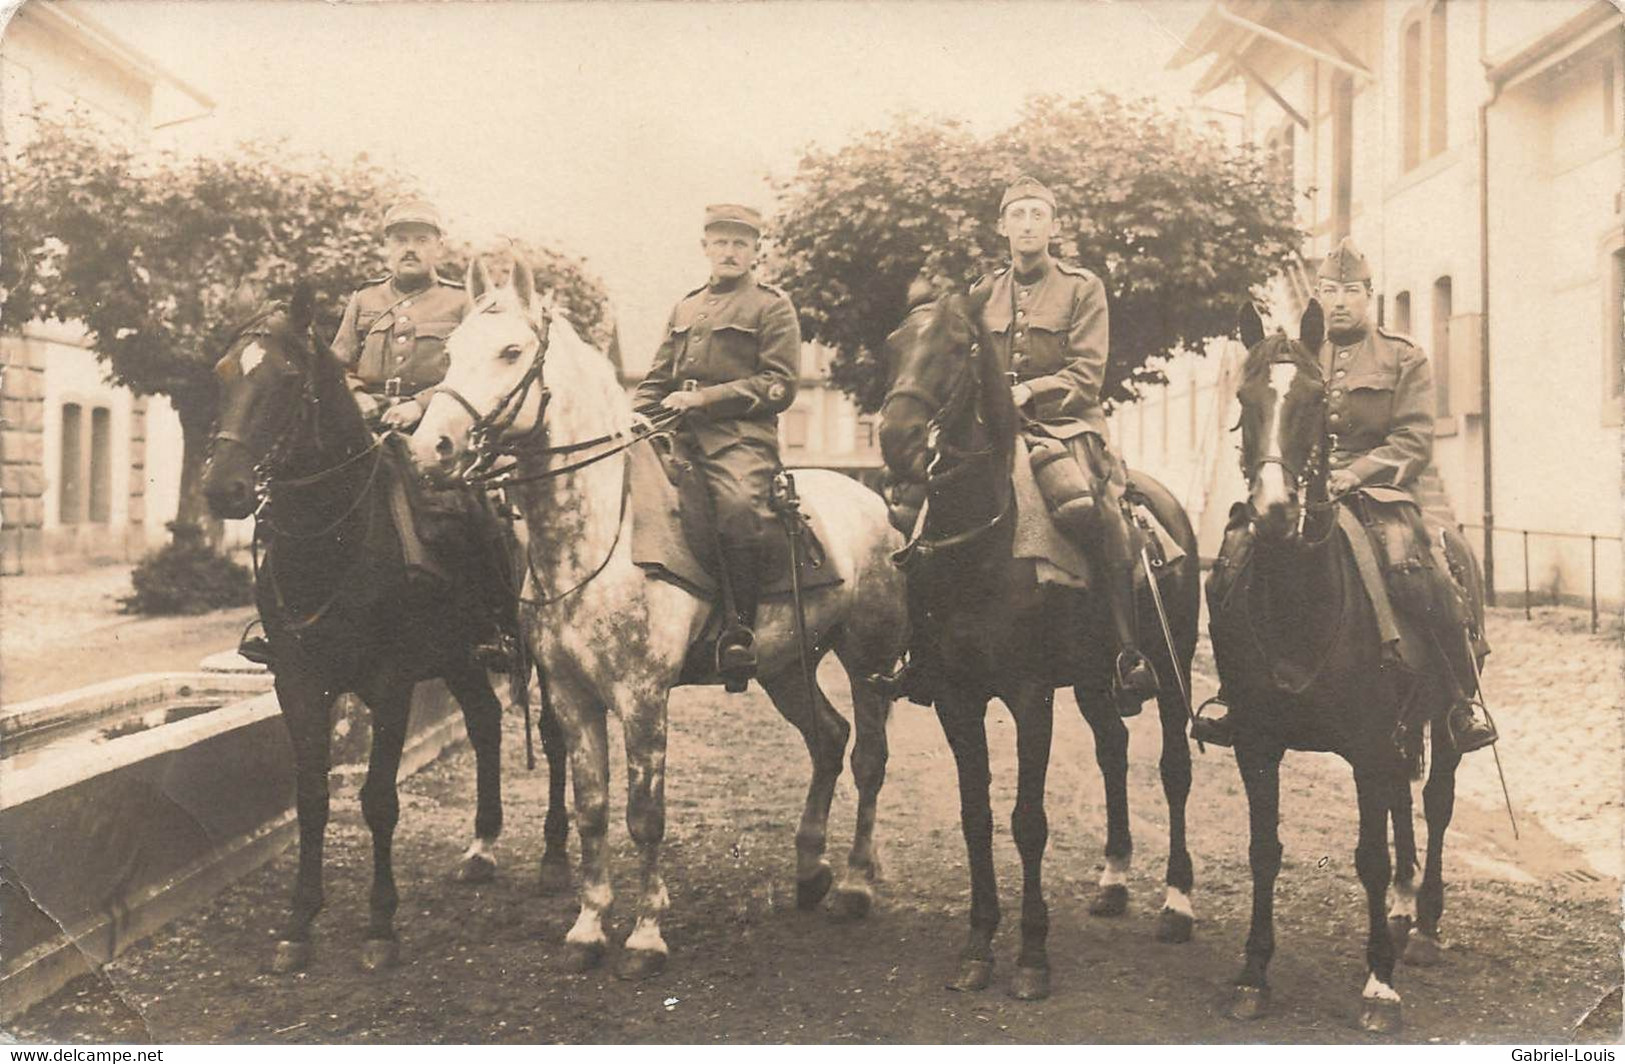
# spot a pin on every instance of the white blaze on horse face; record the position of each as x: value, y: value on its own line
x: 1272, y: 485
x: 251, y: 357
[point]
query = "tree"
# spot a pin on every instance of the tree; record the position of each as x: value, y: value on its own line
x: 1177, y: 223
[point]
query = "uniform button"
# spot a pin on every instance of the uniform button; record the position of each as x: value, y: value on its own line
x: 1336, y: 392
x: 702, y: 313
x: 1342, y: 373
x: 406, y: 302
x: 1021, y: 315
x: 1343, y: 355
x: 1337, y: 417
x: 1020, y: 333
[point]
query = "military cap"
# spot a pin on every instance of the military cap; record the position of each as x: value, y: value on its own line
x: 1344, y: 264
x: 415, y: 211
x: 734, y: 214
x: 1026, y: 187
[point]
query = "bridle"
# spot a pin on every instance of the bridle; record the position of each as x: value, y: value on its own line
x: 1303, y: 476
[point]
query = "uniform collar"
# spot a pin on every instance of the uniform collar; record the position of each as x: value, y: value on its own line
x: 1046, y: 266
x: 739, y: 284
x: 402, y: 293
x: 1352, y: 337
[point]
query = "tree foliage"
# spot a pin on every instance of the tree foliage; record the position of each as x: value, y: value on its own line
x: 1178, y: 223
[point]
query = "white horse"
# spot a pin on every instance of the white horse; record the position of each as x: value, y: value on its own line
x: 611, y: 637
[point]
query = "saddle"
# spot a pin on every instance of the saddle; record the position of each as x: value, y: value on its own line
x: 1060, y: 559
x: 673, y: 540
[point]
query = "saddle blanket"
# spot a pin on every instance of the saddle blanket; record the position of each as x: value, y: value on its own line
x: 660, y: 547
x: 1057, y: 559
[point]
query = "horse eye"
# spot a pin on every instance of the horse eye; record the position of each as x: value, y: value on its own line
x: 511, y: 353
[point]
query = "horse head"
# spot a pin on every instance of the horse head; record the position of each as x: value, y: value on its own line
x: 1283, y: 422
x: 493, y: 383
x: 271, y: 381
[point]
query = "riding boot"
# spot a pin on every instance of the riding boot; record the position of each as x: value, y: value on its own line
x: 1134, y: 680
x: 915, y: 677
x: 1468, y: 721
x: 256, y: 648
x: 1218, y: 729
x: 736, y: 646
x: 497, y: 605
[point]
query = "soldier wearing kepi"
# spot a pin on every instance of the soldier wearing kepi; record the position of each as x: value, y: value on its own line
x: 393, y: 339
x: 728, y: 363
x: 1048, y: 321
x: 1380, y: 404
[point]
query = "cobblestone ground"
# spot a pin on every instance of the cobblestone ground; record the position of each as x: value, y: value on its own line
x: 1532, y: 925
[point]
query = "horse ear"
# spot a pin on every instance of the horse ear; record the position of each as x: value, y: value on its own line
x: 1252, y: 326
x: 476, y: 281
x: 523, y: 283
x: 245, y: 299
x: 302, y: 308
x: 1312, y: 326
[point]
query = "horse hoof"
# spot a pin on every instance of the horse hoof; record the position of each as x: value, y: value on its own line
x: 378, y: 954
x: 1111, y: 901
x: 809, y: 892
x: 640, y: 964
x: 854, y: 902
x: 1380, y: 1016
x: 555, y: 877
x: 1174, y: 927
x: 290, y: 957
x: 581, y: 957
x: 1030, y: 984
x: 1249, y: 1002
x: 1423, y: 951
x: 1399, y: 933
x: 972, y: 976
x: 476, y: 869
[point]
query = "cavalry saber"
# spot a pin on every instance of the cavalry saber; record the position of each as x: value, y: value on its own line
x: 792, y: 529
x: 1168, y: 636
x: 1478, y: 680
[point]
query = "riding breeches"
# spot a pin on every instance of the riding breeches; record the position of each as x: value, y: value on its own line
x: 739, y: 479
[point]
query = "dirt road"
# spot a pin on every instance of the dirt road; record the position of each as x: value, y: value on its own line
x: 1532, y: 926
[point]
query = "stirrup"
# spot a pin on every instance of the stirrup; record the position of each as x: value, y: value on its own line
x: 496, y: 654
x: 736, y: 658
x: 1217, y: 730
x: 907, y: 681
x: 1133, y: 681
x: 1478, y: 733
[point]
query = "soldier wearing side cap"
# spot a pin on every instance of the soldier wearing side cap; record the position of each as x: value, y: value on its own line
x: 728, y: 362
x: 1048, y: 321
x: 1379, y: 419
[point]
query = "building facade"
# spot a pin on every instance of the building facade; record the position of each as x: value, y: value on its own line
x: 88, y: 471
x: 1473, y: 149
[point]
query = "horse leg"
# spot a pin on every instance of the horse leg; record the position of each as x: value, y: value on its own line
x: 1033, y: 708
x: 964, y: 724
x: 1375, y: 785
x: 586, y: 732
x: 826, y: 747
x: 1260, y: 768
x: 307, y: 714
x: 1111, y: 754
x: 643, y: 725
x: 870, y: 710
x: 482, y: 716
x: 1402, y: 908
x: 1438, y: 806
x: 555, y: 865
x: 1177, y: 918
x: 381, y: 808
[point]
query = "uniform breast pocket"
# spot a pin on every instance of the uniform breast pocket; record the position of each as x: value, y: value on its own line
x: 736, y: 347
x: 431, y: 345
x: 1371, y: 402
x: 1046, y: 343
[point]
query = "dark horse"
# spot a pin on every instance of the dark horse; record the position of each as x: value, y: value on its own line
x: 1296, y: 642
x: 291, y: 447
x: 996, y: 632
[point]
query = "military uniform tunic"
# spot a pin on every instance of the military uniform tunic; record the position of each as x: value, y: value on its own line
x: 1379, y: 408
x: 737, y: 347
x: 1053, y: 335
x: 389, y: 335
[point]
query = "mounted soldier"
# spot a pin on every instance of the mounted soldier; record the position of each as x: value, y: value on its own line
x: 729, y: 364
x: 1379, y: 422
x: 393, y: 339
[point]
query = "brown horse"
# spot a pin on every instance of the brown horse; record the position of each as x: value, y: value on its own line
x: 1296, y: 643
x: 994, y: 631
x: 292, y: 448
x: 613, y: 639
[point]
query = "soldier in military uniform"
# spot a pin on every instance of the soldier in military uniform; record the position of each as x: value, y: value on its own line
x: 728, y: 363
x: 1048, y: 322
x: 393, y: 339
x: 1380, y: 406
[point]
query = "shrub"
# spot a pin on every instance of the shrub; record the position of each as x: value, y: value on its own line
x: 186, y: 576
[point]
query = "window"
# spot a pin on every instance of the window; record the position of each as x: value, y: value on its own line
x: 1410, y: 59
x: 70, y: 482
x: 1424, y: 77
x: 1438, y: 78
x: 865, y: 434
x: 101, y: 465
x: 1441, y: 346
x: 796, y: 424
x: 1402, y: 313
x: 1342, y: 155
